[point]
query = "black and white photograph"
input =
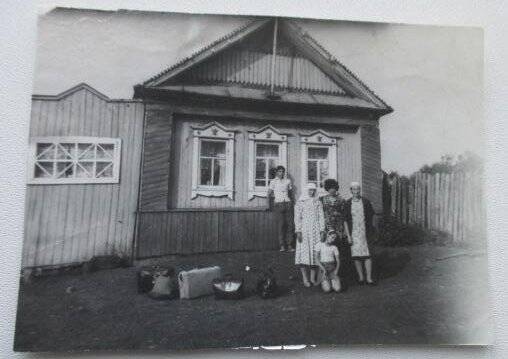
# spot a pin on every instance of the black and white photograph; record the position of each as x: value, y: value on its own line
x: 201, y: 181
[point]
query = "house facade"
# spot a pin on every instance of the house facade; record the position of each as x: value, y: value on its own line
x: 202, y: 141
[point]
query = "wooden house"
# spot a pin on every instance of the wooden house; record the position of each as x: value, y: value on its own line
x: 195, y: 149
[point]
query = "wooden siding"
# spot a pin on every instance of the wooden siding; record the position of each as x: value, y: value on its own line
x: 73, y: 222
x: 186, y: 232
x: 348, y: 161
x: 372, y: 175
x: 156, y: 159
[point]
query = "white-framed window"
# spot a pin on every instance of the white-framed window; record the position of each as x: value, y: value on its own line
x: 68, y: 160
x: 318, y: 158
x: 267, y: 150
x: 213, y: 161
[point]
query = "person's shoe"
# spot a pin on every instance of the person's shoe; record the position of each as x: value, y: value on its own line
x: 306, y: 284
x: 282, y: 249
x: 373, y: 283
x: 361, y: 282
x: 291, y: 249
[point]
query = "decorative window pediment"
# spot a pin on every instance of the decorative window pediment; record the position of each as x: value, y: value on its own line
x: 213, y: 161
x: 318, y: 157
x: 267, y: 150
x: 213, y: 130
x: 319, y: 137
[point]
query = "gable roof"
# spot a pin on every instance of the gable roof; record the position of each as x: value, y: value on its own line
x: 72, y: 90
x: 79, y: 87
x: 238, y: 65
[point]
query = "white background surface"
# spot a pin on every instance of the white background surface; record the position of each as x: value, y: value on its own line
x: 17, y: 54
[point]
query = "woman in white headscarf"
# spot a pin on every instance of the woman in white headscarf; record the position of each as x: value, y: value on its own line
x: 309, y: 228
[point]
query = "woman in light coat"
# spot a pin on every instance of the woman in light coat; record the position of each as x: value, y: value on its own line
x: 309, y: 228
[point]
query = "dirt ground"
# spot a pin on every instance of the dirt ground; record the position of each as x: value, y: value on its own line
x: 426, y: 294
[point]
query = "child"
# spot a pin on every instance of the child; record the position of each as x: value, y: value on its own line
x: 329, y: 263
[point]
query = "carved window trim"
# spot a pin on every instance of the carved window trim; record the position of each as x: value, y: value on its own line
x: 322, y: 139
x: 213, y: 132
x: 269, y: 135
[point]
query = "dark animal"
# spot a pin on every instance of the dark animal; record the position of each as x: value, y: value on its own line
x: 267, y: 285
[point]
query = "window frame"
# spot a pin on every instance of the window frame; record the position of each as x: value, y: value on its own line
x: 212, y: 132
x: 317, y: 139
x: 265, y: 135
x: 56, y: 140
x: 318, y: 162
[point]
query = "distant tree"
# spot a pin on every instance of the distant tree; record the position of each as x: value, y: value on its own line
x: 468, y: 161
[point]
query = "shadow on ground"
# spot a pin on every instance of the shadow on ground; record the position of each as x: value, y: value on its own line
x: 420, y: 299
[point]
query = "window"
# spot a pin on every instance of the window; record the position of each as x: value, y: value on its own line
x: 67, y: 160
x: 317, y: 164
x: 267, y: 157
x: 319, y: 158
x: 213, y: 157
x: 267, y: 150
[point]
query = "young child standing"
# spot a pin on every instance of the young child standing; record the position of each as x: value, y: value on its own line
x: 329, y: 263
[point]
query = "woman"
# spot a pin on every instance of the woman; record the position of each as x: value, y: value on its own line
x: 333, y: 207
x: 359, y: 214
x: 309, y: 228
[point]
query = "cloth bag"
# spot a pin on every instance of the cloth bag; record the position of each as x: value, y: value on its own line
x: 197, y: 282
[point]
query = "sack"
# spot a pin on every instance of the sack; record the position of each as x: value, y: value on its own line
x: 197, y: 282
x: 267, y: 285
x: 145, y: 281
x: 164, y: 287
x: 158, y: 282
x: 228, y: 288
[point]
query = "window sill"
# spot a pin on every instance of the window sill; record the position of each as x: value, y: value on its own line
x: 208, y: 192
x: 256, y: 193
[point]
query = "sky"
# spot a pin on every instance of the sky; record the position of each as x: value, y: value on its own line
x: 431, y: 76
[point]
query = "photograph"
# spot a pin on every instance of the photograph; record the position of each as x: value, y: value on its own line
x: 200, y: 181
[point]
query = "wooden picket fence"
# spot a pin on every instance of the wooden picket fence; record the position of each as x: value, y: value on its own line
x: 448, y: 202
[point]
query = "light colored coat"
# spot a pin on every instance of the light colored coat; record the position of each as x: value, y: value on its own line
x: 310, y: 220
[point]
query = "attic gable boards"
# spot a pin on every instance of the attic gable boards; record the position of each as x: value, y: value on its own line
x: 249, y: 62
x: 243, y: 59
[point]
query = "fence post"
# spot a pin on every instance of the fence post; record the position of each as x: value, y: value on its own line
x: 393, y: 193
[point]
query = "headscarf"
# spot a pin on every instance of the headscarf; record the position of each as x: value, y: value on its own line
x: 305, y: 193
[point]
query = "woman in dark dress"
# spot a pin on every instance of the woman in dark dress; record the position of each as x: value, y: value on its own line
x: 359, y: 213
x: 333, y: 207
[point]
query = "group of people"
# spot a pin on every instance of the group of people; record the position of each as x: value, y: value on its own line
x: 331, y: 232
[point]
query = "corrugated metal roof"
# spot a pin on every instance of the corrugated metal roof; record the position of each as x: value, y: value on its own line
x: 243, y: 59
x: 253, y: 68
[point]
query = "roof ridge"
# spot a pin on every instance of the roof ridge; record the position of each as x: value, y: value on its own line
x: 201, y: 50
x: 334, y: 60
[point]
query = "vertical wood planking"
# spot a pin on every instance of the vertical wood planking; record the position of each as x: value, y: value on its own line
x: 69, y: 223
x: 449, y: 202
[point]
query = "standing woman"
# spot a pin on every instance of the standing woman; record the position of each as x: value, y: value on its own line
x: 309, y: 228
x: 333, y: 207
x: 359, y: 214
